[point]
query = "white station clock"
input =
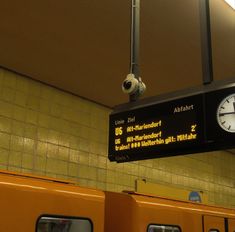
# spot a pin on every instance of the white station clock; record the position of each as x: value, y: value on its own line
x: 226, y: 113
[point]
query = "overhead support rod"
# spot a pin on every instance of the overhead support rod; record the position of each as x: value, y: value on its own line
x: 206, y: 44
x: 135, y: 34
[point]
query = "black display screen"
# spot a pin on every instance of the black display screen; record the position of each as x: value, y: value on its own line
x: 163, y: 129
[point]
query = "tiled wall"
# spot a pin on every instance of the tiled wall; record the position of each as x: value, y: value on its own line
x: 49, y: 132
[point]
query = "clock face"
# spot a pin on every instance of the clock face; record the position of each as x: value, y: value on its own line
x: 226, y: 114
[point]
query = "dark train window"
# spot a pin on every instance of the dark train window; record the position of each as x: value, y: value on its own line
x: 163, y: 228
x: 60, y: 224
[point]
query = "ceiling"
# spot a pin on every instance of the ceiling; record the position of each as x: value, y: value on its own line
x: 83, y: 46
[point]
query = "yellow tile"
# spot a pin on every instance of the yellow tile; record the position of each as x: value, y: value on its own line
x: 4, y: 140
x: 14, y: 169
x: 18, y: 128
x: 8, y: 94
x: 57, y: 166
x: 56, y: 110
x: 82, y: 182
x: 63, y: 153
x: 40, y: 163
x: 111, y: 176
x: 17, y: 143
x: 44, y: 106
x: 83, y: 171
x: 31, y: 117
x: 101, y: 186
x: 27, y: 161
x: 93, y: 160
x: 46, y: 92
x: 64, y: 140
x: 74, y: 142
x: 92, y: 173
x: 4, y: 155
x: 35, y: 88
x: 30, y: 131
x: 101, y: 175
x: 74, y: 156
x: 84, y: 145
x: 41, y: 149
x: 102, y: 161
x: 15, y: 158
x: 22, y: 84
x: 20, y: 98
x: 84, y: 158
x: 19, y: 113
x: 33, y: 103
x: 43, y: 134
x: 29, y: 146
x: 84, y: 132
x: 44, y: 120
x: 91, y: 184
x: 52, y: 151
x: 9, y: 79
x: 73, y: 169
x: 62, y: 167
x: 53, y: 137
x: 6, y: 109
x: 5, y: 124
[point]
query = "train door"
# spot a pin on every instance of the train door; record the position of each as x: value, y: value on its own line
x: 231, y: 225
x: 213, y: 224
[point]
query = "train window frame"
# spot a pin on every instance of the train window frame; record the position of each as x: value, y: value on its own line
x: 162, y: 225
x: 64, y: 217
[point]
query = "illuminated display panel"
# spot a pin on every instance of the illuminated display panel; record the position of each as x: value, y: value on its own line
x: 164, y: 129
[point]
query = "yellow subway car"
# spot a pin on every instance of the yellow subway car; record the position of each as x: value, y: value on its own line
x: 30, y: 203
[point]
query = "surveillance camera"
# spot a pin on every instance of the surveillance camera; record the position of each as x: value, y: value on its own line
x: 130, y: 85
x: 142, y: 87
x: 133, y: 86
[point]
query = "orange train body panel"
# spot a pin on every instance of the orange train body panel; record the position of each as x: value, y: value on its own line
x: 138, y: 211
x: 24, y: 199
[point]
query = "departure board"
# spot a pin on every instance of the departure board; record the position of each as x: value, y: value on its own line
x: 158, y: 130
x: 196, y: 121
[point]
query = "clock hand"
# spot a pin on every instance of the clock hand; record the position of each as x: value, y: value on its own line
x: 234, y: 106
x: 222, y: 114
